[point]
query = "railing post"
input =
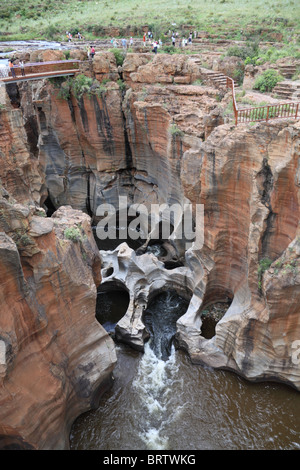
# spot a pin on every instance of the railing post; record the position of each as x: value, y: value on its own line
x: 267, y: 114
x: 296, y: 110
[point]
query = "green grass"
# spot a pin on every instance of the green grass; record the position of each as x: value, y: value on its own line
x: 41, y: 19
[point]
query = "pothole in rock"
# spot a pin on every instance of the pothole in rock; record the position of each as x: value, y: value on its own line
x: 211, y: 315
x: 111, y: 306
x: 160, y: 319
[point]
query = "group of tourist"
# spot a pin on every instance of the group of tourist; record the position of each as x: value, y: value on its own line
x: 12, y: 68
x: 147, y: 37
x: 70, y: 36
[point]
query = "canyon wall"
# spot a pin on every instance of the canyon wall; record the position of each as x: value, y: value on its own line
x: 160, y: 137
x: 56, y: 360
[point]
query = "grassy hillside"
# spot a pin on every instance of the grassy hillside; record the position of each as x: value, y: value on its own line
x: 49, y: 19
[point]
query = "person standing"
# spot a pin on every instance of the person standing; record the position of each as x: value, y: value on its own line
x: 144, y: 39
x: 11, y: 68
x: 92, y: 53
x: 22, y: 68
x: 173, y: 40
x: 131, y: 42
x: 124, y: 44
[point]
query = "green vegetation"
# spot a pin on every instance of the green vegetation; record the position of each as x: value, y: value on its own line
x: 252, y: 53
x: 236, y: 19
x: 264, y: 264
x: 175, y: 131
x: 246, y: 52
x: 121, y: 84
x: 267, y: 80
x: 73, y: 234
x: 119, y: 55
x: 78, y: 87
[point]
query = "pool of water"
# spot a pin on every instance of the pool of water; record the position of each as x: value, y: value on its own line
x: 163, y: 402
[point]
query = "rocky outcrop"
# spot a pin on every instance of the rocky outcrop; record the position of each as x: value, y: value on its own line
x: 56, y: 360
x: 238, y: 162
x: 159, y: 138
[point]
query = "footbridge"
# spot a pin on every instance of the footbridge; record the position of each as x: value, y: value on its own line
x: 38, y: 70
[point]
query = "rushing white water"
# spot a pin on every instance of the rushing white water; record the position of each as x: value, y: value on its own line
x: 160, y: 401
x: 153, y: 385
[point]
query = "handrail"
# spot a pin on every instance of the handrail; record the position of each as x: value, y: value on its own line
x: 262, y: 113
x: 38, y: 70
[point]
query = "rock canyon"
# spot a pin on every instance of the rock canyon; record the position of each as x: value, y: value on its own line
x: 155, y: 131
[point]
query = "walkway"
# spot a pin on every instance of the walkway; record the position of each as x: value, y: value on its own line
x: 40, y: 70
x: 262, y: 113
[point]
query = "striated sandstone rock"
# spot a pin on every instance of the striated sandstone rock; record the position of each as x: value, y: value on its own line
x: 165, y: 143
x: 56, y: 360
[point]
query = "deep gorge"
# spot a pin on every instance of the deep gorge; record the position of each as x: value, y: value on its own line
x: 161, y: 140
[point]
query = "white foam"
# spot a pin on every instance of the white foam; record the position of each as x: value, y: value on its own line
x: 153, y: 384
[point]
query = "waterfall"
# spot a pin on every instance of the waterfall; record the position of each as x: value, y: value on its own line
x: 158, y: 370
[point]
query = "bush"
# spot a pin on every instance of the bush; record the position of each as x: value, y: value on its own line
x: 64, y: 90
x: 169, y: 49
x: 175, y: 131
x: 80, y: 85
x: 264, y: 264
x: 267, y: 80
x: 51, y: 31
x: 121, y: 84
x: 118, y: 55
x: 245, y: 52
x: 73, y: 234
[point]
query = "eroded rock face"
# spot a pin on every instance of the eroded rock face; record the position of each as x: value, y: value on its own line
x: 162, y: 140
x: 144, y: 276
x: 56, y: 360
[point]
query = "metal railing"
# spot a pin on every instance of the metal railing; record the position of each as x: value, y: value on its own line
x: 31, y: 68
x: 262, y: 113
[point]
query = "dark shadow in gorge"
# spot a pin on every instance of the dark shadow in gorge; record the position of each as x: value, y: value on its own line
x: 211, y: 314
x: 111, y: 305
x: 160, y: 319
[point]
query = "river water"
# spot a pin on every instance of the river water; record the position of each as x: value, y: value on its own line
x: 160, y: 401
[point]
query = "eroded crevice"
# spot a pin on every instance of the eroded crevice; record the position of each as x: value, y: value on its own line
x: 12, y: 90
x: 32, y: 131
x: 265, y: 181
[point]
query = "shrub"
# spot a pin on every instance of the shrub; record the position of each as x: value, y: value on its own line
x: 51, y: 31
x: 73, y: 234
x: 121, y: 84
x: 245, y: 52
x: 118, y: 55
x: 169, y: 49
x: 264, y: 264
x: 67, y: 55
x: 80, y: 85
x: 65, y: 90
x: 267, y: 80
x: 175, y: 131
